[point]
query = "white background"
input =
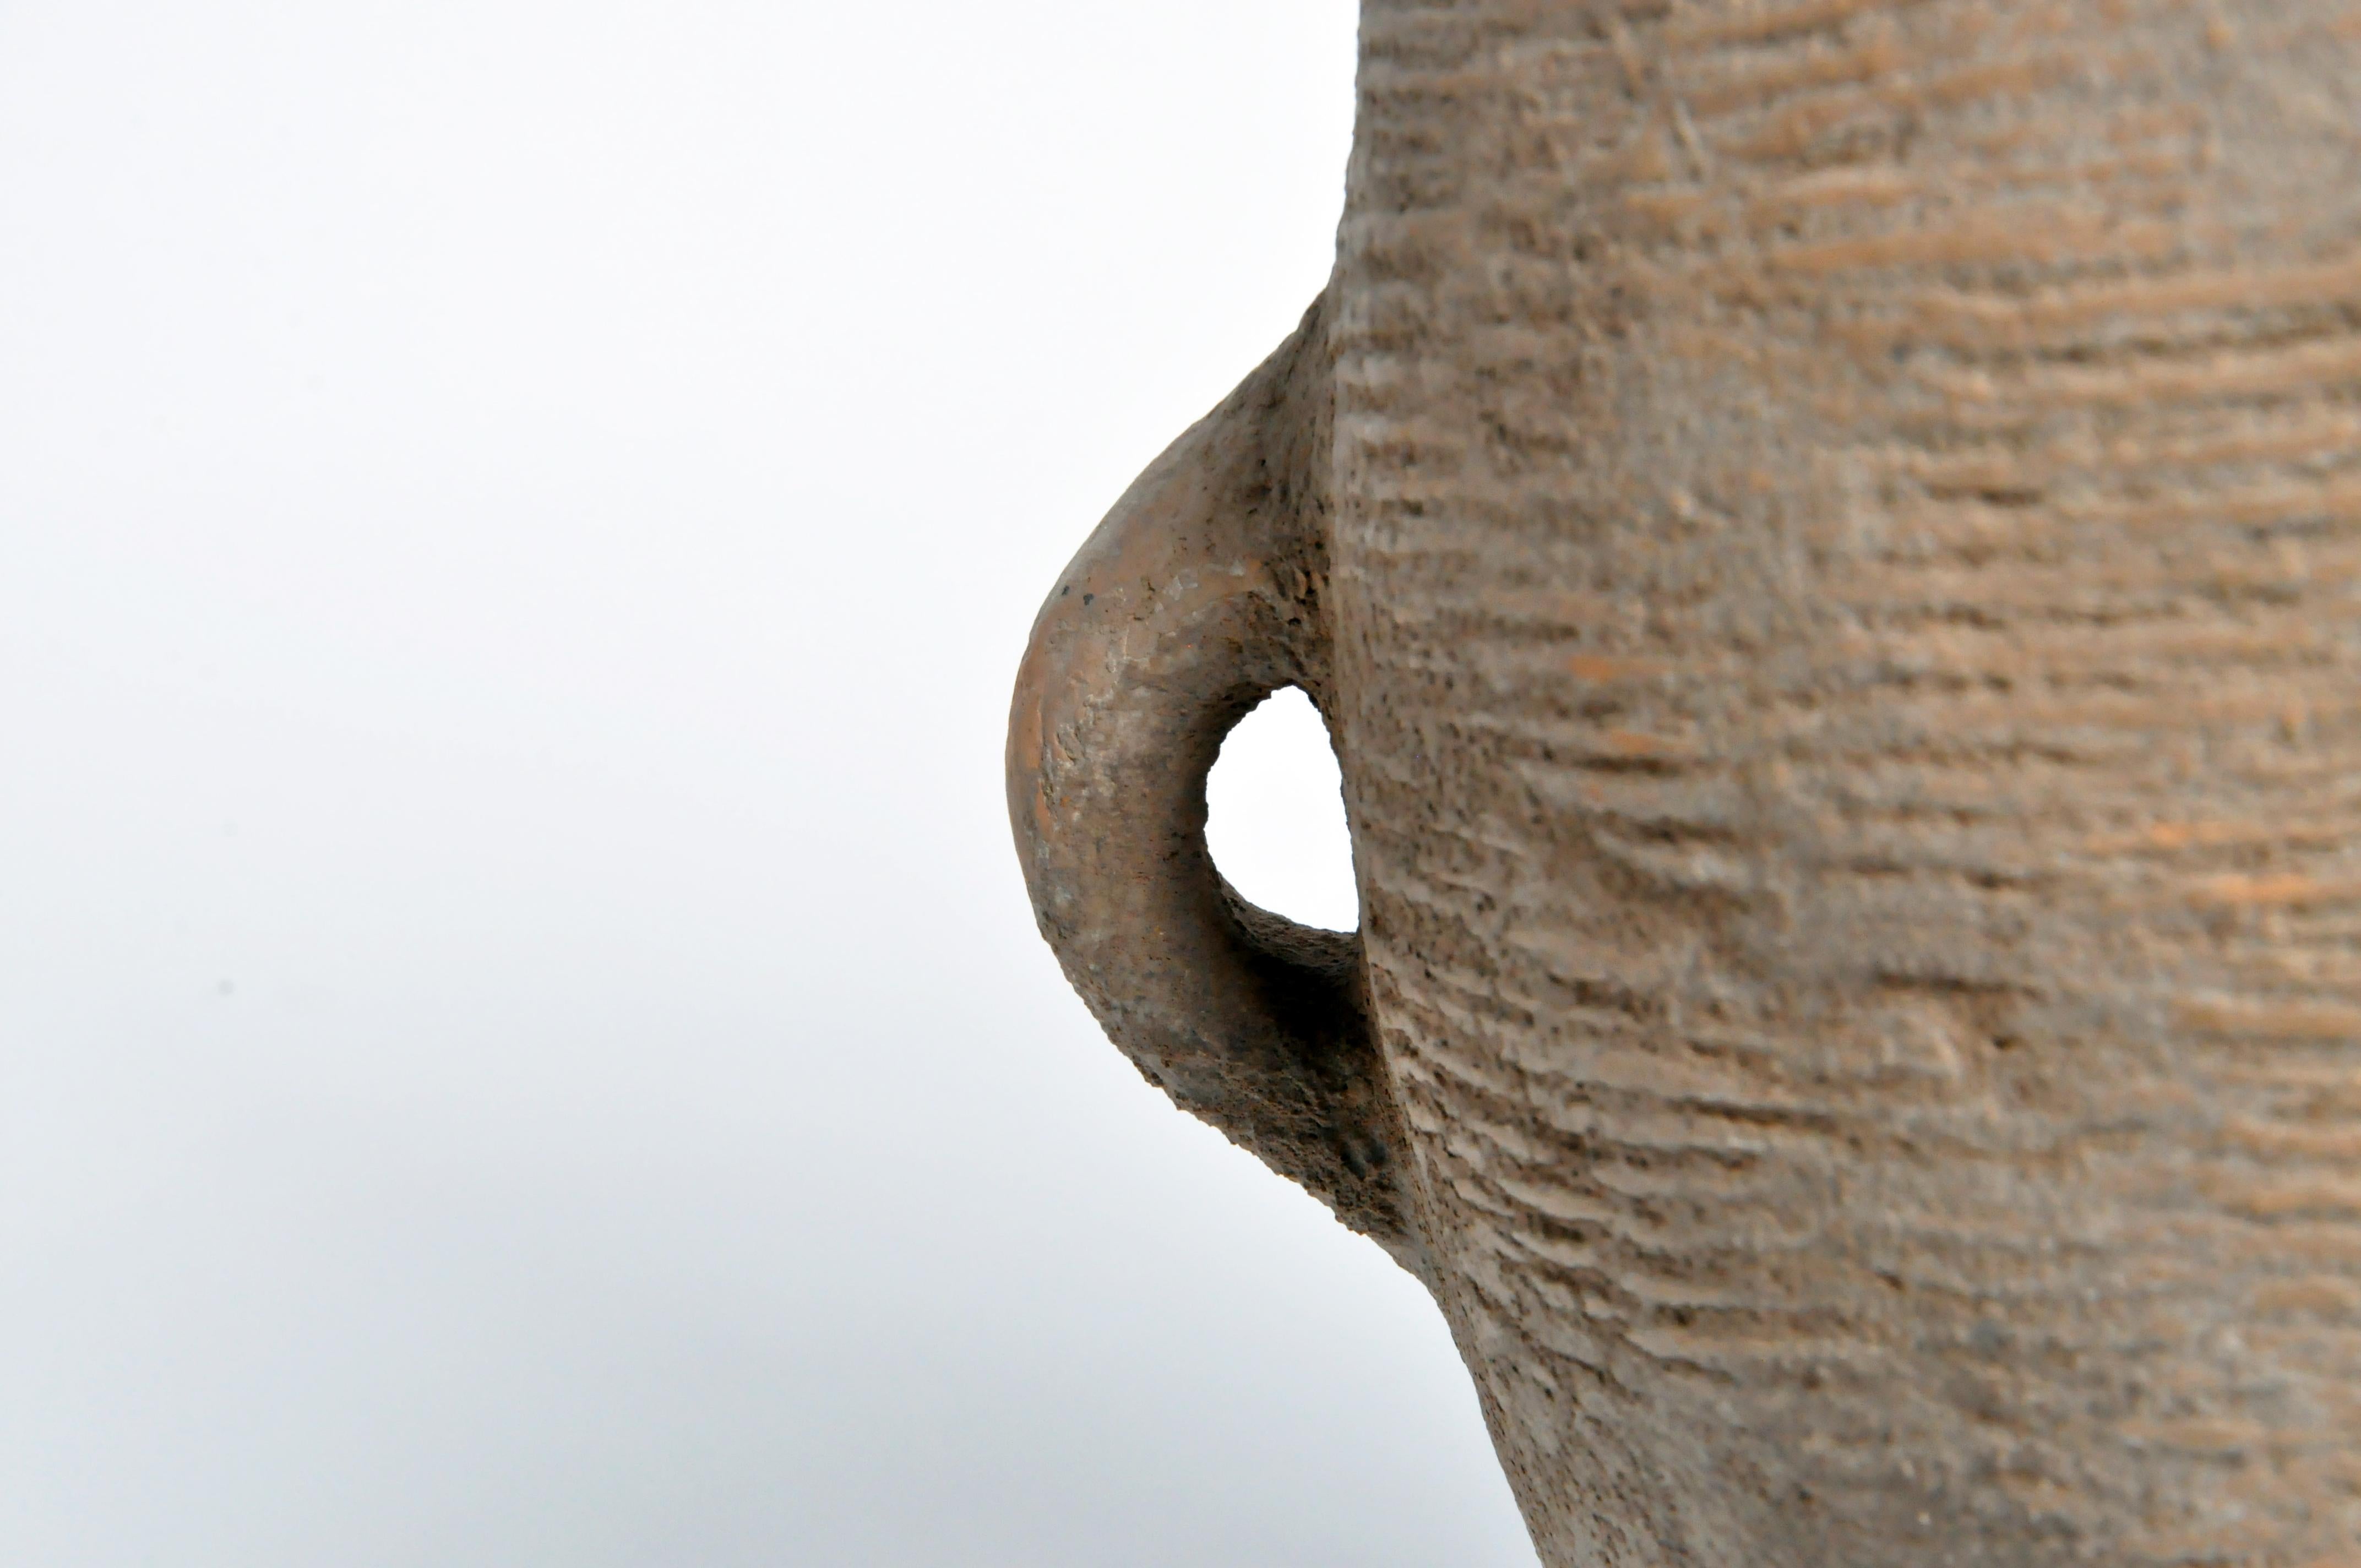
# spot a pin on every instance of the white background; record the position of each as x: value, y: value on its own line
x: 520, y: 1039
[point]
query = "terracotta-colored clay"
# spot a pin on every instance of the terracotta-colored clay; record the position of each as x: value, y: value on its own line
x: 1827, y: 536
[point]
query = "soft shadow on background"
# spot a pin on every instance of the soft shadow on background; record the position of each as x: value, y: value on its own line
x: 521, y: 1039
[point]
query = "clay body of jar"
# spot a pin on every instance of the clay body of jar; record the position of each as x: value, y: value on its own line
x: 1826, y: 538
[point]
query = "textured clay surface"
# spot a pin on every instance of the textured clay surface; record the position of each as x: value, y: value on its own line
x: 1828, y: 538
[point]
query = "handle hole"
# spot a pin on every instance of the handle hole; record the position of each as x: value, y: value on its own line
x: 1275, y: 816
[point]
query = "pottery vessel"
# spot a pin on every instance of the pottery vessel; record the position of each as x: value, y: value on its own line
x: 1828, y: 538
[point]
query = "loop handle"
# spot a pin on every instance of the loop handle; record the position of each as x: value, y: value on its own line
x: 1200, y: 595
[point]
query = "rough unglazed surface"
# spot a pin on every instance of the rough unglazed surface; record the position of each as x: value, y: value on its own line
x: 1843, y: 561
